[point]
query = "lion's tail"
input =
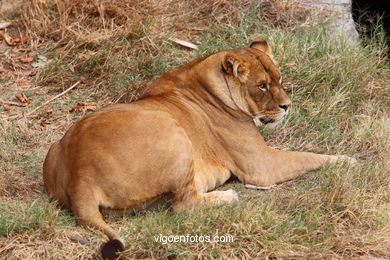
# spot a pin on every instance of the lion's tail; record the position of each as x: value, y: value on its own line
x: 86, y: 208
x: 81, y: 199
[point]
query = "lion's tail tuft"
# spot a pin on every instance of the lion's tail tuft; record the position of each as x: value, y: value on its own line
x: 110, y: 249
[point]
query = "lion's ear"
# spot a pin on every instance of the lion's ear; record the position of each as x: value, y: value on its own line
x: 261, y: 44
x: 236, y: 66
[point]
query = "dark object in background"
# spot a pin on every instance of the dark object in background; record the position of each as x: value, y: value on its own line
x: 367, y: 13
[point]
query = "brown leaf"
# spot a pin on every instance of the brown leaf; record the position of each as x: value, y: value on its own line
x: 16, y: 40
x: 23, y: 98
x: 12, y: 103
x: 346, y: 127
x: 32, y: 73
x: 7, y: 115
x: 7, y: 108
x: 2, y: 70
x: 90, y: 108
x: 47, y: 121
x: 24, y: 40
x: 83, y: 106
x: 8, y: 39
x: 24, y: 50
x: 86, y: 104
x: 26, y: 59
x: 44, y: 122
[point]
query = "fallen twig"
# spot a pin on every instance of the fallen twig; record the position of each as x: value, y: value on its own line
x: 184, y: 43
x: 50, y: 100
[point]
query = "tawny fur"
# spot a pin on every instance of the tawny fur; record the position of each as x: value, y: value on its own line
x: 186, y: 135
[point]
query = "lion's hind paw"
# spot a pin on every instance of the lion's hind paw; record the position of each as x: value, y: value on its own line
x: 346, y: 159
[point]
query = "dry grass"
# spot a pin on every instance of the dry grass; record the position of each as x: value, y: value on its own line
x: 341, y: 98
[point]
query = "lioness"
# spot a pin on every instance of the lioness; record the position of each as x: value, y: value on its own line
x: 188, y: 133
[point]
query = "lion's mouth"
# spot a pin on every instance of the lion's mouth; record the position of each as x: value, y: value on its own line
x: 266, y: 120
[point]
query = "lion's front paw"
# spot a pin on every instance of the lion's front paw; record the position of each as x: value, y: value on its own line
x: 343, y: 159
x: 229, y: 196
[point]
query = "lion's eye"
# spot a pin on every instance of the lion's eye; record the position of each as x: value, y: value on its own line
x: 263, y: 87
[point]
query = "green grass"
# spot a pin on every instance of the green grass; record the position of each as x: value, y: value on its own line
x: 341, y: 100
x: 18, y: 217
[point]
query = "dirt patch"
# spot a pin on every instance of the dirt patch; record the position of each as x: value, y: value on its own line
x: 9, y: 8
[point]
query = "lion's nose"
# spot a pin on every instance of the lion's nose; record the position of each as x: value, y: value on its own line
x: 285, y: 107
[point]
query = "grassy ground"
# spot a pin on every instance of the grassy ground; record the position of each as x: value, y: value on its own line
x: 341, y: 100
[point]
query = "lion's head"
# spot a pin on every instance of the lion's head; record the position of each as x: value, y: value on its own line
x: 255, y: 83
